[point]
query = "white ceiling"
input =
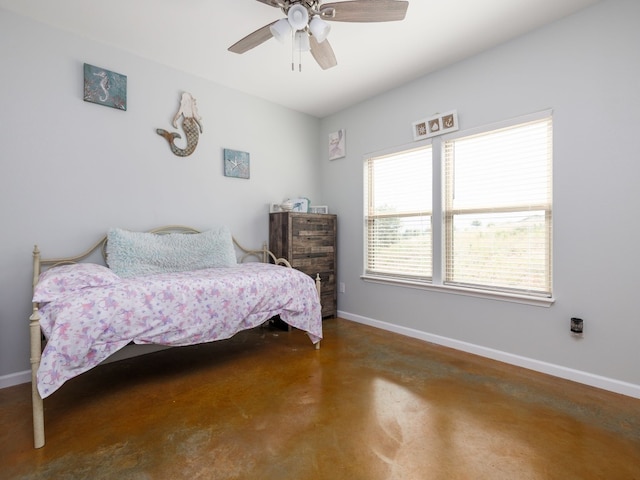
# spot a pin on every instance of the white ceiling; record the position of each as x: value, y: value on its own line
x: 193, y: 36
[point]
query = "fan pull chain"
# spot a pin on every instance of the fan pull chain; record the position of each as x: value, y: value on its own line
x: 293, y: 54
x: 299, y: 60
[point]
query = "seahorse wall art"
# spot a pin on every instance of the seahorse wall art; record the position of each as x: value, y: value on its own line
x: 105, y: 87
x: 190, y: 124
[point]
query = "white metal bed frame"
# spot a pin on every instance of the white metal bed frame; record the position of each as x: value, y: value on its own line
x: 35, y: 332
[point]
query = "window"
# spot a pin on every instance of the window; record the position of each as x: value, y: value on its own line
x: 497, y: 209
x: 398, y: 214
x: 491, y: 232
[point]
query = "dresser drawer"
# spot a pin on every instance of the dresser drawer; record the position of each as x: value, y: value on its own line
x: 313, y: 227
x: 302, y: 246
x: 312, y: 264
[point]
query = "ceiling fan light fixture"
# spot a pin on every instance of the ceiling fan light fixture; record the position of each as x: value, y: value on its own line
x: 319, y: 28
x: 281, y: 29
x: 301, y: 42
x: 305, y: 23
x: 298, y: 17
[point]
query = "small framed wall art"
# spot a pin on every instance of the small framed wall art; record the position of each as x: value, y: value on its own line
x: 300, y: 204
x: 236, y: 163
x: 337, y: 144
x: 436, y: 125
x: 449, y: 121
x: 419, y: 129
x: 319, y: 209
x: 105, y: 87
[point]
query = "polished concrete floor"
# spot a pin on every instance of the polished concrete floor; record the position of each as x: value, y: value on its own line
x: 368, y: 405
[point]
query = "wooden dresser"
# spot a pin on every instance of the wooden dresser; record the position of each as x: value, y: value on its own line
x: 308, y: 241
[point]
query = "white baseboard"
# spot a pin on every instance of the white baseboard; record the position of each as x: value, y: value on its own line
x: 128, y: 351
x: 586, y: 378
x: 13, y: 379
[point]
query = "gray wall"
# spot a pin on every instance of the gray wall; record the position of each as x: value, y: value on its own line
x: 586, y: 68
x: 71, y: 169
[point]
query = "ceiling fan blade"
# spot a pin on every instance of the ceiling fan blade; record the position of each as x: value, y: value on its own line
x: 366, y: 10
x: 323, y: 53
x: 252, y: 40
x: 273, y: 3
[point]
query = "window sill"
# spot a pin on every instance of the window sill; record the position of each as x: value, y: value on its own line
x: 488, y: 294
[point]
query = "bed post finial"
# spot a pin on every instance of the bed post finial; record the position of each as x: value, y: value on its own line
x: 319, y: 285
x: 36, y: 265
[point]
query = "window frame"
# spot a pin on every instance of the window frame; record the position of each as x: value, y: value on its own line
x: 437, y: 282
x: 417, y: 213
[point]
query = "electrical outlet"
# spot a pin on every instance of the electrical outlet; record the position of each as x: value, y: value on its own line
x: 343, y: 288
x: 577, y: 327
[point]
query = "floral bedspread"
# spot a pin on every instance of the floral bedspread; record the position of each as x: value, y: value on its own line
x: 89, y: 322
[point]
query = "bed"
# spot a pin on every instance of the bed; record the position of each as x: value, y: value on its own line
x: 170, y: 286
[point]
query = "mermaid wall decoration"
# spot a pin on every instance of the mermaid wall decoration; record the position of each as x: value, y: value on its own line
x: 191, y: 124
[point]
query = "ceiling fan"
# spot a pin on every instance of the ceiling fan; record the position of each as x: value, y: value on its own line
x: 306, y: 22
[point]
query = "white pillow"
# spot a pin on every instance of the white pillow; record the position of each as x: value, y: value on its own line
x: 132, y: 254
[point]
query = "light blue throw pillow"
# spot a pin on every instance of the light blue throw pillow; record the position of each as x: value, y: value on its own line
x: 132, y: 254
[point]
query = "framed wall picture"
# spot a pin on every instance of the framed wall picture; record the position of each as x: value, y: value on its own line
x: 319, y: 209
x: 300, y: 204
x: 419, y: 129
x: 275, y: 208
x: 436, y: 125
x: 236, y: 163
x: 449, y: 121
x: 337, y: 144
x: 105, y: 87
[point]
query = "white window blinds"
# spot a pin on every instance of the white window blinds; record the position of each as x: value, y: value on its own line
x: 497, y: 209
x: 398, y: 214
